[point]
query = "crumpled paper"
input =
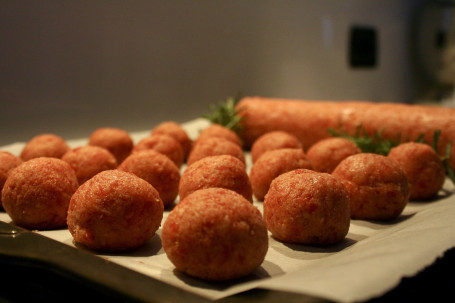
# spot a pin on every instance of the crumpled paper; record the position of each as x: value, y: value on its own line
x: 372, y: 259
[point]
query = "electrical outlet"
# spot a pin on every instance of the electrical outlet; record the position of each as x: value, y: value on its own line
x: 363, y: 47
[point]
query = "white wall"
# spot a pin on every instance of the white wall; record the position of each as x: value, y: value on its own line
x: 68, y: 67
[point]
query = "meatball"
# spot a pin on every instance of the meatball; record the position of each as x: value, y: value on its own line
x: 8, y: 161
x: 273, y: 140
x: 158, y: 170
x: 217, y: 130
x: 307, y: 207
x: 114, y: 211
x: 377, y: 186
x: 89, y: 160
x: 37, y: 193
x: 215, y: 234
x: 325, y: 155
x: 224, y: 171
x: 117, y: 141
x: 273, y: 163
x: 212, y: 146
x: 44, y: 145
x: 177, y: 132
x: 164, y: 144
x: 423, y: 167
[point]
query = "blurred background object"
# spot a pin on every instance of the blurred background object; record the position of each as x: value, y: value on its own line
x: 69, y: 67
x: 435, y: 49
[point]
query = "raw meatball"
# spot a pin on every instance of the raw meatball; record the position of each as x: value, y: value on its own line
x: 215, y: 234
x: 117, y: 141
x: 224, y: 171
x: 177, y: 132
x: 44, y: 145
x: 377, y: 185
x: 89, y: 160
x: 307, y: 207
x: 164, y: 144
x: 217, y: 130
x: 114, y: 211
x: 212, y: 146
x: 8, y: 161
x: 273, y: 140
x: 325, y: 155
x: 37, y: 193
x: 423, y: 167
x: 158, y: 170
x: 273, y: 163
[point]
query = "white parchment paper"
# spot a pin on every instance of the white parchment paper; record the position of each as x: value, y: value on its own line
x: 372, y: 259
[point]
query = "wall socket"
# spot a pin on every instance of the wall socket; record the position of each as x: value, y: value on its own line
x: 363, y: 47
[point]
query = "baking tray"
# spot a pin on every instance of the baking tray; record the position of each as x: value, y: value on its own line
x: 50, y: 269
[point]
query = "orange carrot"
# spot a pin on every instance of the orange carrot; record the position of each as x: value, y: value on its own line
x: 310, y: 121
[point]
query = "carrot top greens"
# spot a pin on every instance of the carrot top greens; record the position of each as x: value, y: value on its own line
x: 444, y: 158
x: 226, y: 114
x: 376, y: 143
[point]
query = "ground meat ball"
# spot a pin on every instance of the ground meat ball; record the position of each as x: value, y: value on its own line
x: 224, y: 171
x: 8, y: 161
x: 117, y: 141
x: 212, y: 146
x: 215, y: 234
x: 44, y: 145
x: 217, y: 130
x: 377, y: 185
x: 164, y: 144
x: 158, y: 170
x: 37, y: 193
x: 114, y: 211
x: 325, y: 155
x: 307, y: 207
x: 423, y: 167
x: 273, y: 140
x: 177, y: 132
x: 273, y: 163
x: 89, y: 160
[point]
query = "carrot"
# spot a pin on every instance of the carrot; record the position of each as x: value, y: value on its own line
x: 311, y: 121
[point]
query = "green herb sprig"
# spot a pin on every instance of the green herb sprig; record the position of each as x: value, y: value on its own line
x: 444, y: 158
x: 375, y: 143
x: 226, y: 114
